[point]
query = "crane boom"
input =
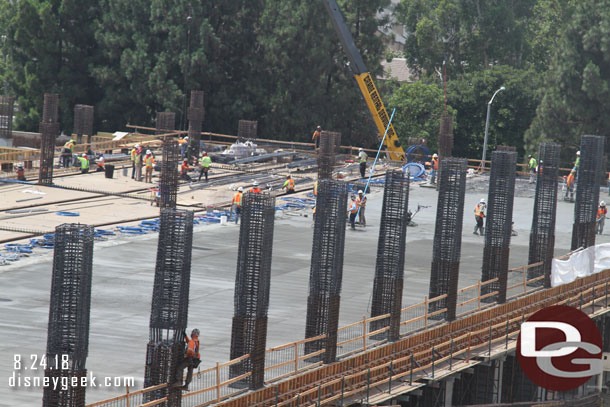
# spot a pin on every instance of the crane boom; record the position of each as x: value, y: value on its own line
x: 365, y: 82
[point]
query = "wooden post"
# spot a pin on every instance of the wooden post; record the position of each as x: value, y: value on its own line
x: 524, y: 280
x: 469, y: 335
x: 425, y: 311
x: 296, y: 357
x: 127, y: 395
x: 364, y: 332
x: 217, y: 382
x: 479, y: 295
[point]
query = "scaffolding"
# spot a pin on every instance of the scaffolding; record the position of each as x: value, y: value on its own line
x: 7, y: 104
x: 166, y: 122
x: 498, y: 225
x: 169, y: 310
x: 542, y: 234
x: 69, y: 309
x: 83, y: 121
x: 448, y: 236
x: 196, y: 114
x: 49, y: 130
x: 389, y: 268
x: 247, y: 129
x: 445, y: 137
x: 252, y: 284
x: 327, y: 153
x: 326, y: 268
x: 587, y: 191
x: 168, y: 187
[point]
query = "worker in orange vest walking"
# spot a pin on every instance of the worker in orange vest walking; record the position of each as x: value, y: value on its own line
x: 236, y: 203
x: 191, y: 360
x: 353, y: 209
x: 601, y: 217
x: 289, y: 185
x: 479, y: 215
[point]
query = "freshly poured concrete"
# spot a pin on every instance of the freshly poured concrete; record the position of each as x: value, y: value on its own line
x: 123, y: 273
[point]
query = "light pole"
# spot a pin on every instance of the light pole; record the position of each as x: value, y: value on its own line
x: 487, y: 126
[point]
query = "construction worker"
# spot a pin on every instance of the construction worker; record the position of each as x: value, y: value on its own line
x: 20, y: 173
x: 236, y: 203
x: 576, y: 165
x: 183, y: 142
x: 192, y: 359
x: 133, y: 160
x: 362, y: 157
x: 289, y: 185
x: 84, y: 164
x: 570, y: 181
x: 149, y: 163
x: 531, y: 166
x: 361, y: 202
x: 353, y: 209
x: 184, y: 168
x: 204, y: 163
x: 434, y: 169
x: 139, y: 162
x: 100, y: 163
x: 316, y: 137
x: 66, y: 154
x: 601, y: 217
x: 479, y: 214
x: 255, y: 189
x: 609, y: 184
x: 315, y: 188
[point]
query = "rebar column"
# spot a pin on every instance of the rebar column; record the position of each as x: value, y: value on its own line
x: 327, y: 153
x: 196, y: 114
x: 389, y: 268
x: 326, y: 270
x: 168, y: 187
x: 7, y: 104
x: 49, y: 130
x: 247, y: 129
x: 252, y: 283
x: 587, y: 191
x: 498, y: 224
x: 166, y: 122
x: 448, y: 235
x: 170, y: 300
x: 445, y: 137
x: 69, y: 309
x: 83, y: 122
x: 542, y: 234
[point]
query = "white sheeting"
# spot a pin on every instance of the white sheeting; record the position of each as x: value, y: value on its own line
x: 581, y: 264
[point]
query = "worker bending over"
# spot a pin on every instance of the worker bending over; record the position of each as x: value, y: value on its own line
x: 20, y: 173
x: 236, y: 203
x: 361, y: 202
x: 149, y: 163
x: 84, y: 164
x: 191, y: 360
x: 289, y: 185
x: 479, y: 214
x: 362, y: 157
x: 204, y: 163
x: 66, y: 154
x: 353, y: 209
x: 101, y: 162
x: 184, y: 168
x: 601, y: 217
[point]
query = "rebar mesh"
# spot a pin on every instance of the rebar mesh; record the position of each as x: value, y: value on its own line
x: 445, y: 137
x: 542, y: 234
x: 195, y: 116
x: 327, y: 153
x: 50, y: 107
x: 49, y: 132
x: 7, y: 104
x: 389, y: 268
x: 326, y: 270
x: 247, y: 129
x: 168, y: 187
x: 498, y: 225
x: 69, y: 309
x: 252, y: 284
x: 166, y: 122
x: 448, y: 235
x: 83, y: 120
x: 587, y: 191
x: 73, y: 396
x: 169, y: 310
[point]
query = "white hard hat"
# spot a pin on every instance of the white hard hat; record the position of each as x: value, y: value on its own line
x: 578, y: 153
x: 148, y: 152
x: 360, y: 191
x: 137, y: 145
x: 482, y: 201
x: 255, y: 183
x: 360, y: 149
x: 84, y: 155
x: 434, y: 155
x: 240, y: 189
x: 602, y: 203
x: 186, y: 138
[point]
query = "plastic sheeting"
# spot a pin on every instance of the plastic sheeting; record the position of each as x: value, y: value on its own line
x: 581, y: 264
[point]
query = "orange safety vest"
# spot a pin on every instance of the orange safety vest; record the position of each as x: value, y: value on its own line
x: 184, y: 168
x: 354, y: 207
x: 478, y: 211
x: 601, y: 211
x: 316, y: 134
x: 237, y: 199
x: 100, y: 163
x: 435, y: 163
x: 290, y: 184
x: 570, y: 180
x: 256, y: 190
x: 315, y: 189
x: 361, y: 202
x: 193, y: 348
x: 149, y: 160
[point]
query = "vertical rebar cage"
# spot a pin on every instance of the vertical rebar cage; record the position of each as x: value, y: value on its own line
x: 498, y: 225
x: 49, y: 130
x: 587, y: 191
x: 247, y: 129
x: 389, y: 268
x: 7, y: 104
x: 169, y: 310
x: 83, y: 120
x: 327, y: 153
x: 69, y: 310
x: 448, y: 235
x: 445, y: 137
x: 166, y: 122
x: 542, y: 234
x: 196, y: 114
x: 50, y: 108
x: 168, y: 187
x: 252, y: 284
x: 326, y: 270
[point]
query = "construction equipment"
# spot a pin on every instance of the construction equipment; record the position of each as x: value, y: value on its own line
x: 411, y: 215
x: 365, y: 82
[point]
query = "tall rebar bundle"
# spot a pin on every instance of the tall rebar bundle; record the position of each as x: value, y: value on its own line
x: 448, y: 235
x: 389, y: 268
x: 69, y: 309
x: 247, y: 129
x: 498, y: 225
x: 7, y: 104
x: 327, y: 153
x: 49, y: 130
x: 445, y: 137
x: 542, y: 234
x: 196, y: 114
x: 252, y: 284
x: 83, y: 121
x: 166, y: 122
x: 587, y: 191
x: 326, y: 270
x: 170, y: 299
x: 168, y: 187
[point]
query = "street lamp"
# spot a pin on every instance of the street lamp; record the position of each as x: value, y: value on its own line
x: 487, y: 126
